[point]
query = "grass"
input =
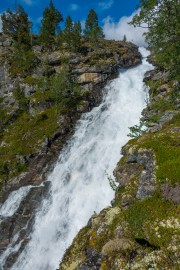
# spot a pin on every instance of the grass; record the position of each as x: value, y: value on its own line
x: 25, y: 137
x: 145, y: 217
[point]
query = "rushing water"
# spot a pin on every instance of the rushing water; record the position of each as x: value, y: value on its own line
x: 13, y: 201
x: 79, y: 181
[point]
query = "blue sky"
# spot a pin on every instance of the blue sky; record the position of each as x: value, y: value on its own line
x: 78, y: 9
x: 113, y: 14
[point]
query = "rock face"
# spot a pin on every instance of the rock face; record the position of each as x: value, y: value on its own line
x: 141, y: 229
x: 92, y: 68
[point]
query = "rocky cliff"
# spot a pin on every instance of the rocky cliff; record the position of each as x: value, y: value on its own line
x: 141, y: 229
x: 33, y: 128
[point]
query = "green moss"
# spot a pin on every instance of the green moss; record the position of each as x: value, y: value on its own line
x: 25, y: 137
x: 22, y: 61
x: 76, y: 253
x: 144, y: 216
x: 31, y: 80
x: 167, y: 152
x: 153, y: 85
x: 162, y: 105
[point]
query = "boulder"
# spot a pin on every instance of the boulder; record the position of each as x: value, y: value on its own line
x: 117, y: 245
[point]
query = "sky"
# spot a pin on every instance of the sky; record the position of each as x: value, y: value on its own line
x: 113, y: 14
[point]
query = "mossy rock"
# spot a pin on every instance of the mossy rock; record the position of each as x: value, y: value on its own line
x: 122, y: 245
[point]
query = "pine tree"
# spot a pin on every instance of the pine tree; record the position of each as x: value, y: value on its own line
x: 124, y: 38
x: 92, y: 29
x: 17, y: 25
x: 77, y: 31
x: 72, y: 34
x: 68, y: 31
x: 50, y: 24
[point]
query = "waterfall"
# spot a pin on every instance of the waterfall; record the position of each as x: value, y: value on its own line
x: 79, y: 182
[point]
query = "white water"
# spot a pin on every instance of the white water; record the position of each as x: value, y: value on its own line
x: 12, y: 203
x: 79, y: 181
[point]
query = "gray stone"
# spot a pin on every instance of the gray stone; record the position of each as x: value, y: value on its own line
x: 132, y: 159
x: 167, y: 116
x: 171, y: 193
x: 29, y: 90
x: 146, y: 185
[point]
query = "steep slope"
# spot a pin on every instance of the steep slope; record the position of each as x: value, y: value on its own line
x: 42, y: 122
x: 31, y: 103
x: 141, y: 229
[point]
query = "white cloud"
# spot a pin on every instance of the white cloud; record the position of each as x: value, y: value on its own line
x: 106, y: 5
x: 117, y: 30
x: 73, y: 7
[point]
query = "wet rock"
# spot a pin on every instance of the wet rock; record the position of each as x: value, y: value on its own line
x: 16, y: 229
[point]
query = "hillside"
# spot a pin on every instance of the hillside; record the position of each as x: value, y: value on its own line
x: 141, y: 228
x: 43, y: 96
x: 41, y: 105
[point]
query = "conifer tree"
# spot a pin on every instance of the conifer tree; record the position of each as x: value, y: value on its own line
x: 77, y: 31
x: 17, y: 25
x: 72, y: 34
x: 50, y: 24
x: 92, y: 29
x: 124, y: 38
x: 68, y: 31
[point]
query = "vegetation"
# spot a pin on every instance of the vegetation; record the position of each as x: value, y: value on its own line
x: 17, y: 25
x: 161, y: 17
x: 50, y: 25
x: 92, y: 29
x: 65, y: 94
x: 72, y: 34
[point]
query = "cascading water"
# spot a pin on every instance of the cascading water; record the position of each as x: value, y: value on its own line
x: 79, y: 184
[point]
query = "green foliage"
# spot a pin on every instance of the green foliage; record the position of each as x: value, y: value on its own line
x: 138, y: 130
x: 22, y: 100
x: 72, y: 34
x: 112, y: 183
x: 65, y: 93
x: 92, y: 29
x: 24, y: 137
x: 17, y: 25
x: 124, y: 38
x: 165, y: 147
x: 68, y: 31
x: 22, y: 61
x: 4, y: 170
x: 162, y: 105
x: 31, y: 80
x: 161, y: 17
x: 50, y: 25
x: 77, y: 30
x: 143, y: 217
